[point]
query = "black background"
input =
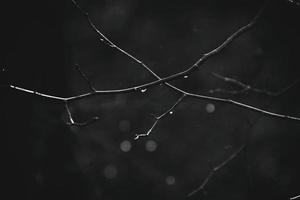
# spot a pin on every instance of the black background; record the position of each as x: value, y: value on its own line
x: 45, y: 159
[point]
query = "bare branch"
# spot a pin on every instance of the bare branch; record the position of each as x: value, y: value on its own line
x: 108, y: 42
x: 160, y: 117
x: 295, y: 197
x: 214, y: 170
x: 245, y: 87
x: 169, y: 78
x: 84, y: 76
x: 137, y: 136
x: 191, y: 69
x: 242, y: 105
x: 69, y: 113
x: 135, y: 89
x: 79, y: 124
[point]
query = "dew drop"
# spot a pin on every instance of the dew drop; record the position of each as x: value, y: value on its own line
x: 143, y: 90
x: 185, y: 76
x: 171, y: 112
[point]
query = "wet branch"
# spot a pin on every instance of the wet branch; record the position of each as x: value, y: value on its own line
x: 72, y: 122
x: 160, y: 80
x: 169, y: 111
x: 191, y: 69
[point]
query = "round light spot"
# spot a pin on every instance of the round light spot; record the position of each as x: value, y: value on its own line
x: 124, y: 125
x: 210, y: 108
x: 110, y: 171
x: 125, y: 146
x: 151, y: 145
x: 170, y: 180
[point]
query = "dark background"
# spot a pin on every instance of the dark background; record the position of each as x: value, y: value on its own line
x: 45, y: 159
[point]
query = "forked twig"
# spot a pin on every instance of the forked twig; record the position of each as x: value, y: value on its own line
x: 169, y: 78
x: 214, y: 170
x: 72, y: 122
x: 161, y: 116
x: 191, y: 69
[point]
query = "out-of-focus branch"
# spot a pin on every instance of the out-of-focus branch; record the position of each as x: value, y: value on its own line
x: 214, y: 170
x: 294, y: 2
x: 169, y: 111
x: 246, y: 88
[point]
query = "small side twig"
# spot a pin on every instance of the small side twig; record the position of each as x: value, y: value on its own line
x: 72, y: 122
x: 161, y: 116
x: 84, y: 76
x: 214, y: 171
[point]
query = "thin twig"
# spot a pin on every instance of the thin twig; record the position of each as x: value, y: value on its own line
x: 245, y: 87
x: 196, y: 96
x: 191, y: 69
x: 169, y: 78
x: 150, y: 84
x: 69, y: 113
x: 84, y: 76
x: 107, y: 41
x: 79, y: 124
x: 295, y: 197
x: 214, y: 170
x: 161, y: 116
